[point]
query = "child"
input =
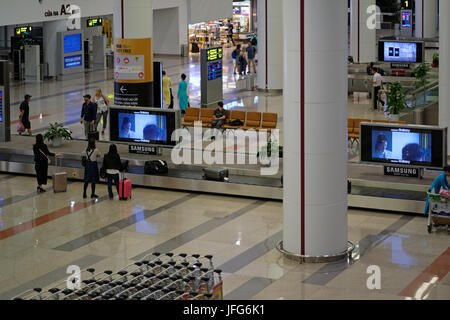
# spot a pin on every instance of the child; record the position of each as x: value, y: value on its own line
x: 242, y: 64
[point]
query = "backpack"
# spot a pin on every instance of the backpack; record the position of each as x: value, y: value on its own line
x: 233, y: 55
x: 236, y: 123
x: 85, y: 159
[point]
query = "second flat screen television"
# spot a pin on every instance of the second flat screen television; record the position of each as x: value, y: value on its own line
x: 397, y: 51
x: 72, y: 43
x: 150, y: 127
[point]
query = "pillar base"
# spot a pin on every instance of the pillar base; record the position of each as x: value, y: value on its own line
x: 316, y: 259
x: 275, y: 91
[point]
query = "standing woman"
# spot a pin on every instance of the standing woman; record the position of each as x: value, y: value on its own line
x: 112, y: 164
x: 102, y: 109
x: 166, y: 88
x: 183, y: 97
x: 41, y: 157
x: 91, y: 174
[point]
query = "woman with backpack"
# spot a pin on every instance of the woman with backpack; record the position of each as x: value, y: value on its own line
x: 242, y: 63
x: 113, y: 165
x: 89, y: 161
x: 235, y: 56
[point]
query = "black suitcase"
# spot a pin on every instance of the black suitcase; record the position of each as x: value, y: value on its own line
x: 94, y: 135
x: 215, y: 173
x: 156, y: 167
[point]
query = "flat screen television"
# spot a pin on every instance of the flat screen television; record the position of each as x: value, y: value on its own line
x: 399, y: 51
x: 72, y: 42
x: 142, y: 126
x: 406, y: 145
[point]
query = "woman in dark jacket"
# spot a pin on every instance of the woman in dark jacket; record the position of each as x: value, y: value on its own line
x: 113, y: 165
x: 41, y: 157
x: 91, y: 174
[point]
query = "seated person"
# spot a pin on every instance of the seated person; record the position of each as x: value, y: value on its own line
x: 438, y: 183
x: 219, y: 116
x: 412, y: 152
x: 125, y: 129
x: 380, y: 148
x: 152, y: 133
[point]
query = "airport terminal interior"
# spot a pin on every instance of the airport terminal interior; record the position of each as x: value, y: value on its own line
x: 334, y: 219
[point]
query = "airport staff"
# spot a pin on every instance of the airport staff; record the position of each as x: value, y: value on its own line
x: 166, y: 86
x: 438, y: 183
x: 377, y: 86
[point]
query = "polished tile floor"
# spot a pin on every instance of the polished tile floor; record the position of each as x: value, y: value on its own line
x: 40, y: 235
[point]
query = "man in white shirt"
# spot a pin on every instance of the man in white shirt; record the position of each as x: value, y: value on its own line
x: 377, y: 86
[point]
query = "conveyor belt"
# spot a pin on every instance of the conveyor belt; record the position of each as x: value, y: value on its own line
x: 389, y: 193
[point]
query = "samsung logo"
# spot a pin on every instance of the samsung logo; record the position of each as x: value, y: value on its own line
x: 411, y: 171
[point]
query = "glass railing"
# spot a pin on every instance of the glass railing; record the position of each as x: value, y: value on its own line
x: 421, y: 97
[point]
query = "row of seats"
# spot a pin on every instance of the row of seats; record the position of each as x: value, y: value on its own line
x: 251, y: 119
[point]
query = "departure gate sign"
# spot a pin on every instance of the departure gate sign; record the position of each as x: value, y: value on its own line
x: 214, y: 54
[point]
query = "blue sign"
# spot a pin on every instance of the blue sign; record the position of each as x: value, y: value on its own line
x: 214, y: 70
x: 1, y: 106
x: 72, y: 42
x: 73, y: 61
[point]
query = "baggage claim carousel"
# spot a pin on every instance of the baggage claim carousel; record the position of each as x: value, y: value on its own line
x: 370, y: 188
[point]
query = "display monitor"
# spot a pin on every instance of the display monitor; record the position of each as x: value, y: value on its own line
x: 97, y: 22
x: 406, y: 19
x: 214, y: 70
x: 418, y: 146
x: 397, y: 51
x: 73, y: 61
x: 72, y: 43
x: 152, y: 127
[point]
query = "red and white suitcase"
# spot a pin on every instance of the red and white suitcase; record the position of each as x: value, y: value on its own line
x: 125, y: 188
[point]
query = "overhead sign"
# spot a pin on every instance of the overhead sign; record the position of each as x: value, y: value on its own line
x: 401, y: 171
x: 22, y: 30
x: 98, y: 22
x: 64, y: 11
x: 214, y: 54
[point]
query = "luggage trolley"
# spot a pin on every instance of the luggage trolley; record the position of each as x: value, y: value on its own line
x: 439, y: 214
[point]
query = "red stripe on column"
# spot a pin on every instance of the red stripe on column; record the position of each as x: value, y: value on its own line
x: 267, y: 49
x: 302, y: 124
x: 122, y: 20
x: 422, y: 285
x: 359, y: 31
x: 423, y: 18
x: 49, y: 217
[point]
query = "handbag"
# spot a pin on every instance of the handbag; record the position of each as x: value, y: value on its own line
x: 48, y: 159
x: 20, y: 127
x: 103, y: 172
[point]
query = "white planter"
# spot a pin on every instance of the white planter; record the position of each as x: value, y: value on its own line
x: 57, y: 142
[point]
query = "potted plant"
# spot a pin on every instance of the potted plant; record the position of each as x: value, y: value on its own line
x: 57, y: 133
x: 266, y: 151
x: 422, y: 77
x: 435, y: 63
x: 350, y: 59
x: 395, y: 100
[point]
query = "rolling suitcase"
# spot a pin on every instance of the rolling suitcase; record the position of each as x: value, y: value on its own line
x: 59, y: 178
x: 125, y: 188
x: 215, y: 173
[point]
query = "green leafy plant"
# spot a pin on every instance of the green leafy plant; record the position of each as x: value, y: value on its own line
x: 436, y: 60
x: 422, y: 78
x: 267, y: 149
x: 350, y: 59
x: 57, y: 130
x: 395, y: 98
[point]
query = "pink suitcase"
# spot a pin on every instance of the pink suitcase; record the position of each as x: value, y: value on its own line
x: 125, y: 188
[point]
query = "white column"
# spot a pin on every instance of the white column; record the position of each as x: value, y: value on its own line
x: 315, y: 211
x: 137, y: 19
x: 50, y: 30
x: 362, y: 38
x: 426, y: 18
x: 444, y: 66
x: 270, y: 54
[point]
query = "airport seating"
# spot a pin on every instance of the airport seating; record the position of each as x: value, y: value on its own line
x: 253, y: 121
x: 350, y: 125
x: 353, y: 127
x: 206, y: 116
x: 191, y: 115
x: 269, y: 121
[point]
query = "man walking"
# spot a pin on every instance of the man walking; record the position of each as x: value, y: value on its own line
x: 88, y: 115
x: 24, y: 111
x: 251, y: 53
x: 377, y: 86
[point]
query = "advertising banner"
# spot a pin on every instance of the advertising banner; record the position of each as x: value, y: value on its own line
x: 133, y: 72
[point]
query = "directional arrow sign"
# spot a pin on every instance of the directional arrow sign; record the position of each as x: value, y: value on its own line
x: 122, y: 89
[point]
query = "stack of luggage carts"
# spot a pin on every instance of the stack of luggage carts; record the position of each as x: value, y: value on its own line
x: 156, y: 277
